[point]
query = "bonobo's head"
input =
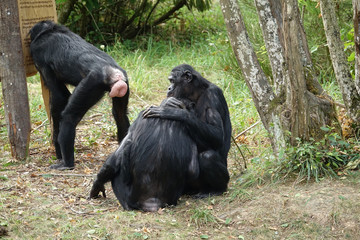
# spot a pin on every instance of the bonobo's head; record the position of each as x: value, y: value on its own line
x: 39, y: 28
x: 186, y: 83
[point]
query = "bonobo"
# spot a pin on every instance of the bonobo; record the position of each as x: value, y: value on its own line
x: 171, y: 149
x: 62, y: 57
x: 150, y: 168
x: 208, y: 125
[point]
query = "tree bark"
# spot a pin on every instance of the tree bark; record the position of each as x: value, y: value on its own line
x: 13, y: 77
x: 341, y: 67
x: 309, y: 110
x: 270, y: 18
x: 296, y: 96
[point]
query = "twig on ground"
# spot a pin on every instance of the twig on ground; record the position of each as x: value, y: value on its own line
x: 67, y: 175
x: 42, y: 124
x: 247, y: 129
x: 75, y: 211
x: 242, y: 155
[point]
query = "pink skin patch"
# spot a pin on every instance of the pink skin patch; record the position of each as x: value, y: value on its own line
x: 119, y: 87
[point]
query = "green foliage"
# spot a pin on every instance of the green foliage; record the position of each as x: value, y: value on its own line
x: 239, y: 193
x: 202, y: 216
x: 313, y: 160
x: 349, y: 47
x: 199, y: 4
x: 106, y: 21
x: 308, y: 160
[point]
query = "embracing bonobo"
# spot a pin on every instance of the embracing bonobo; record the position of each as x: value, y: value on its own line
x: 62, y: 57
x: 178, y: 148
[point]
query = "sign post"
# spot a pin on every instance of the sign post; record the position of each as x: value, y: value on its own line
x: 16, y: 19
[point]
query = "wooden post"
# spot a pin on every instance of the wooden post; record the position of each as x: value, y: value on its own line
x: 16, y: 19
x: 13, y: 78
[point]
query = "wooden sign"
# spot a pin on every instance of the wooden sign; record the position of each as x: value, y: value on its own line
x: 31, y: 12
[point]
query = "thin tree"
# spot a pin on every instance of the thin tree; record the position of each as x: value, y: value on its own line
x: 339, y: 61
x: 296, y: 104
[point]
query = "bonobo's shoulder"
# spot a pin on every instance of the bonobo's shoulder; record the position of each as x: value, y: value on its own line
x: 214, y: 89
x: 214, y: 96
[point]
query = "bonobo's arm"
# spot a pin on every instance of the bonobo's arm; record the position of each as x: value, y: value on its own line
x: 116, y: 163
x: 207, y: 131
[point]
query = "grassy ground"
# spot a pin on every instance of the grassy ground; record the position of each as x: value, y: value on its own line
x: 39, y: 203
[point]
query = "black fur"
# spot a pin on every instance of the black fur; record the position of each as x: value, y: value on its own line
x: 150, y: 168
x: 62, y: 57
x: 208, y: 125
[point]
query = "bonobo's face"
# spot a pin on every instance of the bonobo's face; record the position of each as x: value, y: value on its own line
x: 180, y: 82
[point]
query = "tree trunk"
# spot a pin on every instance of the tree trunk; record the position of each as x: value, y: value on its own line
x: 255, y: 78
x: 270, y: 17
x: 308, y: 111
x: 13, y: 77
x: 356, y: 7
x: 341, y: 67
x: 294, y: 105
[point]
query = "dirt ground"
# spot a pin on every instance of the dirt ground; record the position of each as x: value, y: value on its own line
x: 39, y: 203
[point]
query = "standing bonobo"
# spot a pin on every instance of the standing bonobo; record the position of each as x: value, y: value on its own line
x: 62, y: 57
x: 176, y: 148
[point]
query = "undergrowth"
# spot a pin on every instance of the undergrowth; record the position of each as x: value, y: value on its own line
x: 311, y: 160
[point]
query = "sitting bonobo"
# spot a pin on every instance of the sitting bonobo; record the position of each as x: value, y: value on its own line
x: 150, y: 168
x: 179, y: 147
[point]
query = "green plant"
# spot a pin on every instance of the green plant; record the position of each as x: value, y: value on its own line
x: 102, y: 20
x: 202, y: 216
x: 316, y: 159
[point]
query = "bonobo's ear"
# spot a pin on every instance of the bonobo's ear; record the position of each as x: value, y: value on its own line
x: 188, y: 75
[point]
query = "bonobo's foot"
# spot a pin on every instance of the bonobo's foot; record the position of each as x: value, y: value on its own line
x: 60, y: 165
x: 96, y: 189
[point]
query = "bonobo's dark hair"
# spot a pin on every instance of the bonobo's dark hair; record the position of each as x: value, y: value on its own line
x: 62, y: 57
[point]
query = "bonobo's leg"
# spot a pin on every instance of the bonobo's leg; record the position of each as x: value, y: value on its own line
x: 86, y: 94
x: 115, y: 169
x: 119, y: 111
x: 59, y: 95
x: 214, y: 175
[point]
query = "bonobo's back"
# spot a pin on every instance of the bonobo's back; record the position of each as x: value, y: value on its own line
x: 160, y: 159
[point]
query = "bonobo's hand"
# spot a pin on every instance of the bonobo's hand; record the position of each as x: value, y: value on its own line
x: 173, y: 102
x: 153, y: 112
x: 158, y: 112
x: 96, y: 189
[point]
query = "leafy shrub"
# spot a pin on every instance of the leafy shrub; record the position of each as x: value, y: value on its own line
x: 313, y: 160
